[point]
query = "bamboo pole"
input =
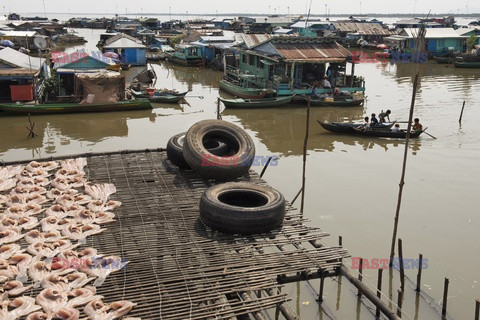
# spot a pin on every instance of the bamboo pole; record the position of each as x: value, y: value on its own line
x: 320, y: 293
x: 305, y: 157
x: 445, y: 297
x: 461, y: 113
x: 404, y: 168
x: 399, y: 303
x: 477, y: 309
x: 402, y: 270
x: 219, y: 117
x: 265, y: 166
x: 379, y: 290
x: 296, y: 196
x: 360, y: 277
x: 419, y: 274
x: 340, y: 241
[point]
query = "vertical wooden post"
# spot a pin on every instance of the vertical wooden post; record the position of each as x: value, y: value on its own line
x: 379, y: 290
x: 477, y: 309
x: 265, y: 167
x: 219, y: 117
x: 402, y: 271
x: 305, y: 157
x: 340, y: 241
x: 339, y: 290
x: 419, y: 275
x: 461, y: 113
x: 399, y: 303
x: 360, y: 276
x: 320, y: 294
x: 445, y: 297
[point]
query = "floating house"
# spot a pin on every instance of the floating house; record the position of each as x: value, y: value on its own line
x: 370, y: 32
x: 189, y: 55
x: 292, y: 64
x: 316, y: 28
x: 438, y: 40
x: 468, y: 32
x: 130, y: 49
x: 19, y: 75
x: 20, y: 38
x: 213, y: 48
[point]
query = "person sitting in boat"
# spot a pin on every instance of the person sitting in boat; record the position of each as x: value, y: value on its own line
x: 384, y: 115
x: 396, y: 128
x: 373, y: 120
x: 326, y: 84
x: 366, y: 125
x: 417, y: 126
x: 336, y: 91
x: 315, y: 91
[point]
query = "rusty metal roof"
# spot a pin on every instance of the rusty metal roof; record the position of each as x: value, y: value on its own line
x: 253, y: 40
x: 367, y: 29
x: 312, y: 51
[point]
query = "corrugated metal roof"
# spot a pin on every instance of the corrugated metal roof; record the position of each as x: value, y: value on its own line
x: 313, y: 51
x: 21, y: 60
x: 464, y: 31
x: 119, y: 36
x: 362, y: 28
x: 17, y: 72
x: 433, y: 33
x: 301, y: 24
x: 124, y: 43
x: 253, y: 40
x: 19, y: 33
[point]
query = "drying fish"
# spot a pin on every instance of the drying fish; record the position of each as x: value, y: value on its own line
x: 77, y: 280
x: 102, y: 267
x: 42, y: 249
x: 76, y: 181
x: 35, y: 236
x: 88, y: 253
x: 38, y: 316
x: 100, y: 191
x: 97, y: 310
x: 39, y: 271
x: 10, y: 171
x: 27, y: 223
x: 36, y: 198
x: 14, y: 288
x: 89, y: 217
x: 8, y: 250
x: 52, y: 300
x: 82, y: 199
x: 23, y: 262
x: 37, y: 181
x: 80, y: 232
x: 66, y: 314
x: 10, y: 235
x: 85, y: 216
x: 8, y: 222
x: 74, y: 164
x: 99, y: 205
x: 39, y: 172
x: 15, y: 200
x: 32, y: 209
x: 57, y: 211
x: 54, y: 281
x: 22, y: 306
x: 7, y: 272
x: 48, y: 166
x: 49, y: 223
x: 65, y: 200
x: 61, y: 184
x: 74, y: 210
x: 55, y: 193
x: 81, y: 296
x: 7, y: 184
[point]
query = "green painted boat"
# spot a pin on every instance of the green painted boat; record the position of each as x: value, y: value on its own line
x: 336, y: 102
x: 466, y: 64
x: 18, y: 108
x: 166, y: 99
x: 244, y: 92
x: 443, y: 60
x: 257, y: 103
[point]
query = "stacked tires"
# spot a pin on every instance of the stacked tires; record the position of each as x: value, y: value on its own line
x: 220, y: 150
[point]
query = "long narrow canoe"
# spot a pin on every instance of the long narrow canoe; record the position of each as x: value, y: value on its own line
x: 165, y: 99
x: 336, y: 102
x: 380, y: 132
x: 349, y: 127
x: 18, y: 108
x: 244, y: 92
x: 143, y: 94
x: 443, y: 59
x: 465, y: 64
x: 257, y: 103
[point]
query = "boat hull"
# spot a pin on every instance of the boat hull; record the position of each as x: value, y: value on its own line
x: 256, y: 103
x: 75, y: 107
x: 184, y: 62
x: 463, y: 64
x: 244, y: 92
x: 349, y: 127
x: 337, y: 103
x: 376, y: 132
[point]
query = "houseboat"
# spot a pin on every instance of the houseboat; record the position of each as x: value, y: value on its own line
x: 186, y: 55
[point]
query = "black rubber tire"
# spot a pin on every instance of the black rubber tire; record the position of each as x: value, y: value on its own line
x: 210, y: 166
x: 242, y: 207
x: 175, y: 149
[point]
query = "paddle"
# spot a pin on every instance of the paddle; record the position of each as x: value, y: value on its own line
x: 425, y: 131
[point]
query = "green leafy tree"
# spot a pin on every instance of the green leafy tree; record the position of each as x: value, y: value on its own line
x: 52, y: 87
x: 471, y: 42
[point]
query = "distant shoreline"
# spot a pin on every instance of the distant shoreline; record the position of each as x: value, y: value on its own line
x: 369, y: 15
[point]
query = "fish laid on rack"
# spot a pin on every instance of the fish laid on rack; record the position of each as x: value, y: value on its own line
x: 74, y: 164
x: 7, y: 184
x: 52, y: 300
x: 18, y: 308
x: 54, y: 193
x: 10, y: 171
x: 102, y: 267
x: 14, y: 288
x: 48, y: 166
x: 8, y: 250
x: 100, y: 191
x: 10, y: 235
x: 97, y: 310
x: 99, y: 205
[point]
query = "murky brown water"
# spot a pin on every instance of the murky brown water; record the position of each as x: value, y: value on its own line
x: 352, y: 182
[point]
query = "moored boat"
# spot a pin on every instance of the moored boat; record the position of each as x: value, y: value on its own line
x: 243, y: 91
x: 165, y: 99
x: 466, y: 64
x: 375, y: 132
x: 18, y: 108
x: 144, y: 94
x: 257, y: 103
x: 337, y: 102
x: 443, y: 60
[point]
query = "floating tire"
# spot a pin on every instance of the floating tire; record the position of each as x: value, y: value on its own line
x: 242, y: 207
x: 175, y: 149
x: 211, y: 166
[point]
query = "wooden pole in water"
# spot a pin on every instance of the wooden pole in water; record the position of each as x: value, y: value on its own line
x: 296, y: 196
x: 31, y: 133
x: 305, y: 156
x: 402, y: 271
x: 379, y: 290
x: 320, y: 294
x: 219, y: 117
x: 340, y: 241
x: 461, y: 113
x: 477, y: 309
x: 445, y: 297
x: 265, y: 167
x: 404, y: 167
x: 419, y: 274
x: 399, y: 303
x: 360, y: 276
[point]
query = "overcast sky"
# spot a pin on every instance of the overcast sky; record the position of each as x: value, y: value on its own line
x: 244, y: 6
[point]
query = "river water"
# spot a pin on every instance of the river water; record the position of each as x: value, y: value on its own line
x: 352, y: 182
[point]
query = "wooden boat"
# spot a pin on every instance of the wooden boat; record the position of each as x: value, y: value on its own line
x: 443, y: 60
x: 243, y: 91
x: 336, y: 102
x: 165, y: 99
x: 340, y: 127
x: 18, y: 108
x: 385, y: 132
x: 257, y: 103
x: 186, y: 55
x: 145, y: 95
x: 466, y: 64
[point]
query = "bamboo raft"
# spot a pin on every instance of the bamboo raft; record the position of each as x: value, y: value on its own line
x: 179, y: 268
